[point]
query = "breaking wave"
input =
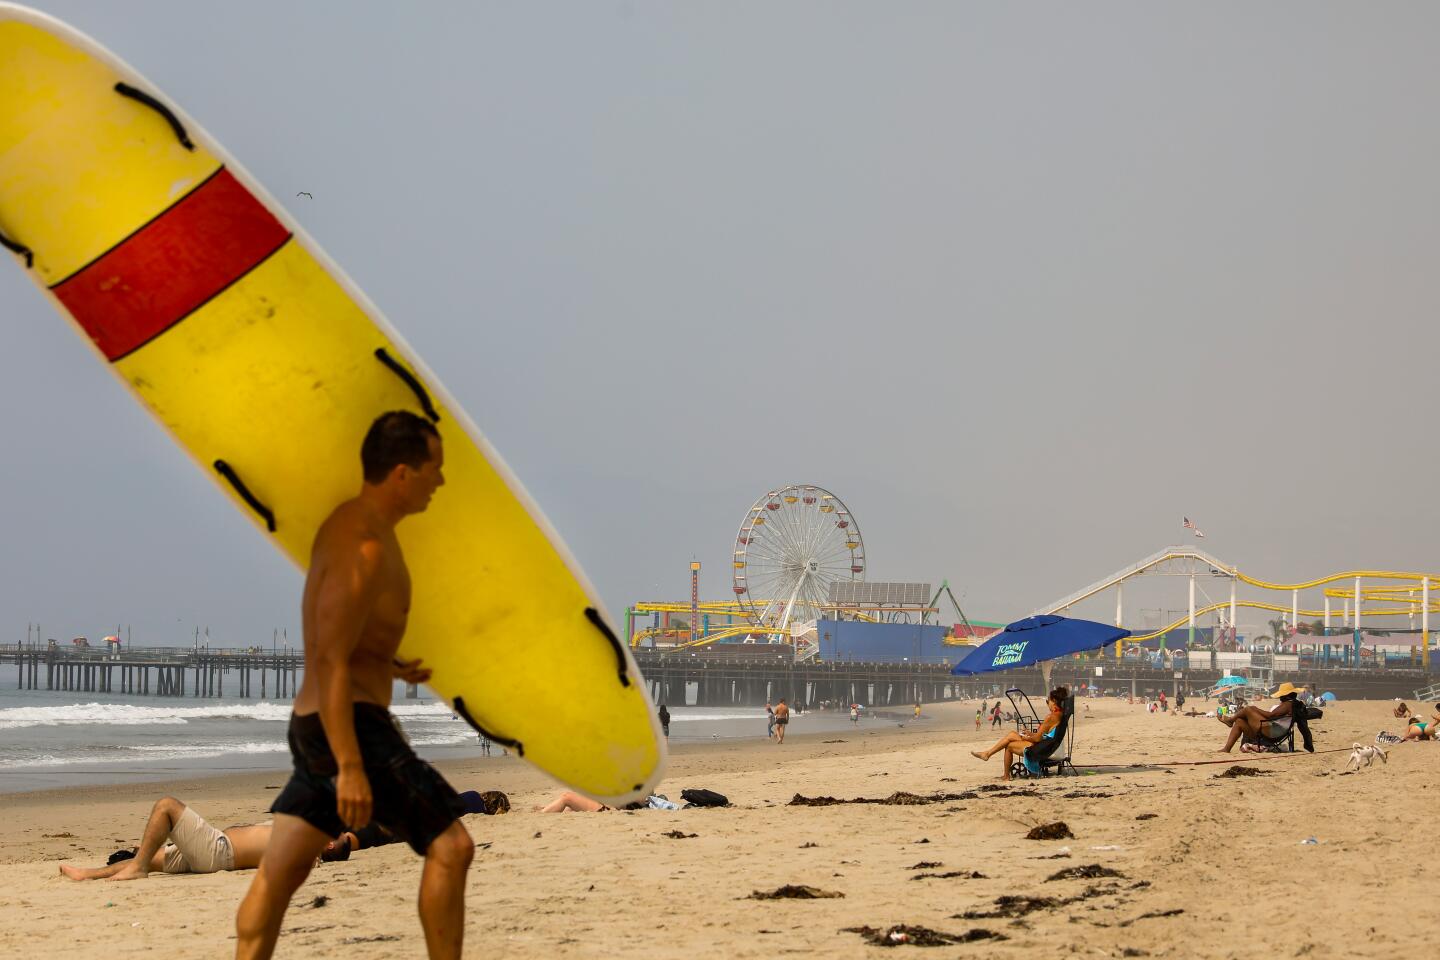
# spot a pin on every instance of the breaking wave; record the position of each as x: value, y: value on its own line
x: 124, y: 714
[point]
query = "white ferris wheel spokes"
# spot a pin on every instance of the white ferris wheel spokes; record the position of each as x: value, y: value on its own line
x: 794, y: 543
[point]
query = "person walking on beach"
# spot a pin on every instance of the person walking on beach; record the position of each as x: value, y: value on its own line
x: 782, y: 720
x: 769, y: 720
x: 995, y: 720
x: 854, y: 713
x: 979, y: 714
x: 352, y: 764
x: 665, y: 720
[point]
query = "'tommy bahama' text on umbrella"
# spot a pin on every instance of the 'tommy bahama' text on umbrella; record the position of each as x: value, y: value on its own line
x: 1010, y: 653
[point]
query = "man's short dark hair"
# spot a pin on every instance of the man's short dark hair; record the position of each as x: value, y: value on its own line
x: 396, y: 437
x: 338, y: 850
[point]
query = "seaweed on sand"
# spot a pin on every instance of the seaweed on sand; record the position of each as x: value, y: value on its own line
x: 795, y: 891
x: 1058, y: 830
x: 1090, y: 871
x: 903, y: 934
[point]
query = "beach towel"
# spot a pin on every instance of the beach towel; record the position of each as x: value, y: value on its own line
x: 1033, y: 765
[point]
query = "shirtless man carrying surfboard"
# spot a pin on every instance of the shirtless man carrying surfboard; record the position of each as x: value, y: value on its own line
x: 352, y: 765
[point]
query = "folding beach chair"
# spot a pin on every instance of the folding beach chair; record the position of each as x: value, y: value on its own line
x: 1278, y: 736
x: 1022, y: 711
x: 1052, y: 754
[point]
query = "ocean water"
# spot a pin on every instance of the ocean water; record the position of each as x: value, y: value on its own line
x: 56, y: 739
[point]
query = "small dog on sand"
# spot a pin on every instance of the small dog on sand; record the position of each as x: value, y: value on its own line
x: 1364, y: 756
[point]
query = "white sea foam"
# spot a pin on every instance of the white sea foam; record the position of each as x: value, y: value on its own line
x: 146, y: 753
x: 124, y: 714
x: 149, y: 753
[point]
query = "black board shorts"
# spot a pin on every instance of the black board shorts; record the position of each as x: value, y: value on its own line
x: 411, y: 799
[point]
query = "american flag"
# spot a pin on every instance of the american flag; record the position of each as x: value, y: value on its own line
x: 1190, y: 525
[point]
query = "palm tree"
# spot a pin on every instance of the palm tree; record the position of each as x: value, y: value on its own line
x: 1278, y: 630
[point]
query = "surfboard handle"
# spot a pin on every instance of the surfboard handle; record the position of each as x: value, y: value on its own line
x: 411, y: 382
x: 233, y: 478
x: 19, y: 249
x: 515, y: 745
x: 140, y: 96
x: 594, y: 617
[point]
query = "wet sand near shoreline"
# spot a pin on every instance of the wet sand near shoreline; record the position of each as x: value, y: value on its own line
x: 1208, y: 866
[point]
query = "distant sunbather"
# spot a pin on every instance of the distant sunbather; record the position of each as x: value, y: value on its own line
x: 1254, y: 723
x: 1015, y: 743
x: 1418, y: 729
x: 570, y: 800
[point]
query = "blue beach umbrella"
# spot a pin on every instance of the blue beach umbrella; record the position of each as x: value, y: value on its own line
x: 1034, y: 639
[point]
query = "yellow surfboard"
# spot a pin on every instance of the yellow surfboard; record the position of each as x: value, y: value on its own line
x: 267, y: 364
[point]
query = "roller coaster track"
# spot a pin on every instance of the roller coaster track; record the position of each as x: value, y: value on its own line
x: 1199, y: 563
x: 1261, y: 605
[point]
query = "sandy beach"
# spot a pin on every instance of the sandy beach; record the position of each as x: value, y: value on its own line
x: 1207, y: 866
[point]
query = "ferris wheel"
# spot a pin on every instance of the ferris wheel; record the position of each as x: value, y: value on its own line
x: 793, y: 544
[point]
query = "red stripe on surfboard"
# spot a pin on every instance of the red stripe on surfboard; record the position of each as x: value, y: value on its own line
x: 172, y: 266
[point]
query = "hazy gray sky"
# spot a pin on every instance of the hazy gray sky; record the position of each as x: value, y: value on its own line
x: 1022, y: 283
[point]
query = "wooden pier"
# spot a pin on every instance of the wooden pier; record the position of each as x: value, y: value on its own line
x: 155, y: 671
x: 690, y: 678
x: 685, y: 678
x: 676, y: 678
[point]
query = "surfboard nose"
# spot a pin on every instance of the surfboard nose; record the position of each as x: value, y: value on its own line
x: 83, y: 165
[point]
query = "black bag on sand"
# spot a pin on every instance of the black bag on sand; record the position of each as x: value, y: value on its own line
x: 704, y: 798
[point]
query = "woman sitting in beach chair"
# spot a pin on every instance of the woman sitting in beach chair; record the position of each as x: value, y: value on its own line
x: 1268, y: 729
x: 1014, y: 744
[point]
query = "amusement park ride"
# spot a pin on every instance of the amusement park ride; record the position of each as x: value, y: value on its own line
x: 798, y: 557
x: 1404, y: 594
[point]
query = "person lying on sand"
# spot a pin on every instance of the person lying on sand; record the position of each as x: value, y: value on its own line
x: 1015, y: 743
x: 490, y: 803
x: 190, y: 845
x: 178, y: 840
x: 570, y: 800
x: 1252, y: 722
